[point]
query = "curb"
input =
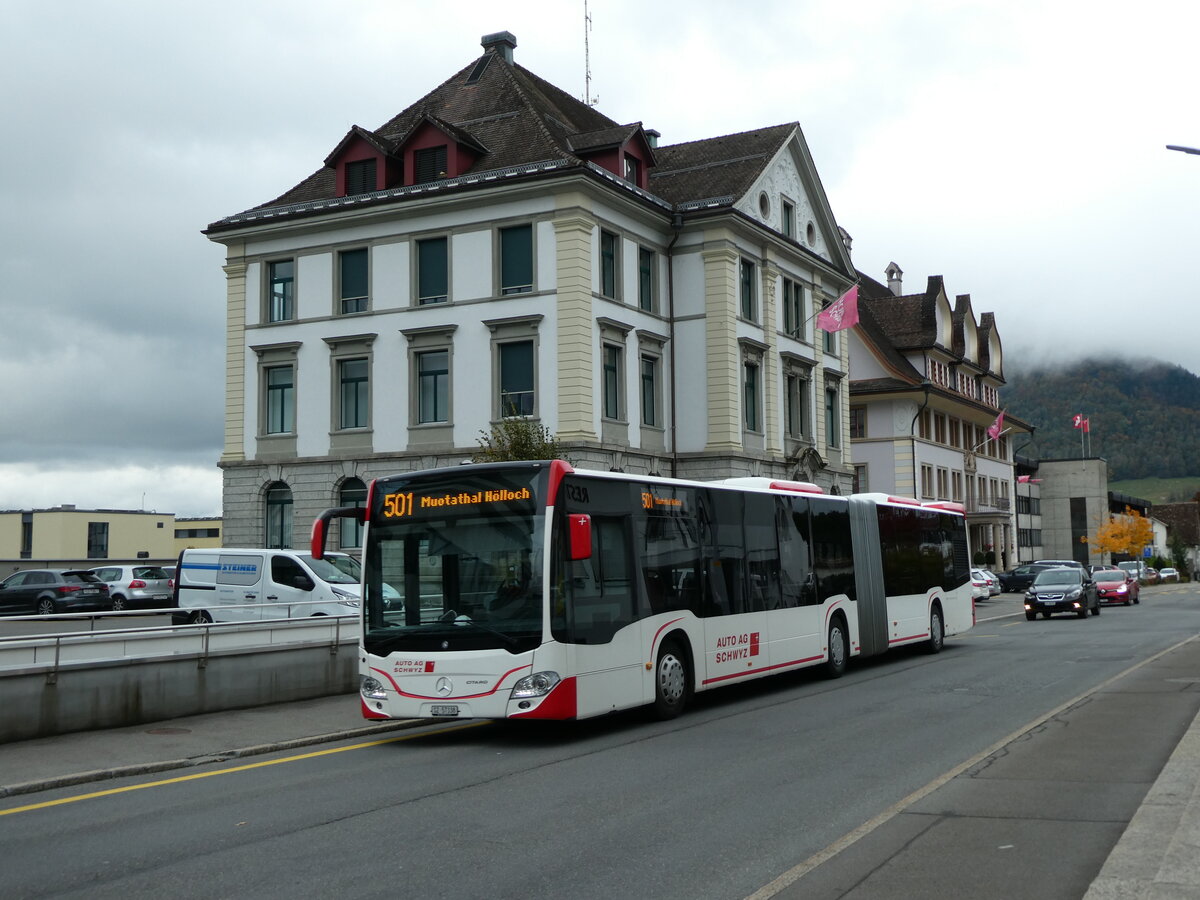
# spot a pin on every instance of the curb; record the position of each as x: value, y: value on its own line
x: 149, y: 768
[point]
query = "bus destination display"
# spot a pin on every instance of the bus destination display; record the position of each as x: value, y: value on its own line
x: 403, y: 504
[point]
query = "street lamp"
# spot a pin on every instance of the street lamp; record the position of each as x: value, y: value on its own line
x: 1183, y: 149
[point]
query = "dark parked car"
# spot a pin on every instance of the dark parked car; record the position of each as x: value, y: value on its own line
x: 1062, y: 590
x: 1020, y: 578
x: 49, y: 591
x: 1115, y: 585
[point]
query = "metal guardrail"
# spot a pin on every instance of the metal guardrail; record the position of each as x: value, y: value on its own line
x: 51, y: 652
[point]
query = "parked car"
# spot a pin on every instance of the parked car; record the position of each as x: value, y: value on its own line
x: 1151, y: 576
x: 1168, y: 574
x: 993, y: 582
x: 1020, y: 578
x: 49, y: 591
x: 136, y: 587
x: 1069, y: 563
x: 979, y: 585
x: 1115, y: 585
x: 1062, y: 589
x: 1136, y: 566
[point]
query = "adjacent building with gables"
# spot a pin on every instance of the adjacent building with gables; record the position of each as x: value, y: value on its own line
x: 500, y: 248
x: 924, y: 390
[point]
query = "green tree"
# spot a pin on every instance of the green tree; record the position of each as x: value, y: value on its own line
x: 517, y: 438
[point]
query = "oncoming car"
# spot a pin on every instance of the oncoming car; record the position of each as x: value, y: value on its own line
x: 1062, y: 590
x: 1116, y: 586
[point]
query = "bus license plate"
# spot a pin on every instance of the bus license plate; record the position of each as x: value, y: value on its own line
x: 443, y: 710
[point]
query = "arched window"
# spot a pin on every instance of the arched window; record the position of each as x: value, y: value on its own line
x: 353, y: 493
x: 279, y: 516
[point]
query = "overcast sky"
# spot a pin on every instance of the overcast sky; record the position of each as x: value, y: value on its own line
x: 1016, y: 148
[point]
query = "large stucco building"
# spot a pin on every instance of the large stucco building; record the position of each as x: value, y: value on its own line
x: 500, y: 248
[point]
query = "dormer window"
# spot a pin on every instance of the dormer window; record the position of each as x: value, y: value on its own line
x: 633, y: 168
x: 360, y: 176
x: 430, y: 164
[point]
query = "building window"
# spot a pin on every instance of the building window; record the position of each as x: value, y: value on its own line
x: 612, y: 382
x: 360, y: 176
x: 940, y: 434
x: 927, y: 481
x: 278, y: 525
x: 746, y: 288
x: 650, y: 391
x: 280, y: 400
x: 647, y: 275
x: 26, y: 535
x: 516, y: 259
x: 858, y: 422
x: 353, y: 280
x: 354, y: 399
x: 433, y: 271
x: 429, y: 164
x: 516, y: 379
x: 860, y: 485
x: 793, y: 309
x: 97, y: 540
x: 750, y: 395
x: 633, y: 168
x: 956, y: 493
x: 282, y: 290
x: 943, y: 483
x: 433, y: 386
x: 829, y: 342
x: 610, y: 260
x: 352, y: 494
x: 832, y: 426
x: 796, y: 405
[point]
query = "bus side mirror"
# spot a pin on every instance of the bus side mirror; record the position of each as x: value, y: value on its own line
x: 581, y: 536
x: 321, y: 526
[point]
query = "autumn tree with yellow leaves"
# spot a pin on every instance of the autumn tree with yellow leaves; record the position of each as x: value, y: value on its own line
x: 1124, y: 533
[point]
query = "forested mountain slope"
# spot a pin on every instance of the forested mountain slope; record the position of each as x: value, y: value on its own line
x: 1144, y: 416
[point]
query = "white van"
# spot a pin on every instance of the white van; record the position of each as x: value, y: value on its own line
x: 234, y: 585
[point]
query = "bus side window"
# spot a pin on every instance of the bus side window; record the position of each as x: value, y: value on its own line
x: 724, y: 546
x: 795, y: 563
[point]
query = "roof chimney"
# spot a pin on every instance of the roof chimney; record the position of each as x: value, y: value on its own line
x: 894, y: 276
x: 503, y: 42
x: 652, y: 137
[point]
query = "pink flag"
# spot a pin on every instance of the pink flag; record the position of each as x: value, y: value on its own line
x: 994, y: 429
x: 1028, y: 479
x: 841, y: 313
x: 1077, y: 422
x: 1087, y: 425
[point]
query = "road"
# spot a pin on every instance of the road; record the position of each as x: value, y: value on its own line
x: 752, y: 785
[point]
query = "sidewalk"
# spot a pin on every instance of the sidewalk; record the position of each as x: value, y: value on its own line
x: 89, y: 756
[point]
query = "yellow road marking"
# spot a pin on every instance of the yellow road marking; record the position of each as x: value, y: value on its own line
x: 229, y: 771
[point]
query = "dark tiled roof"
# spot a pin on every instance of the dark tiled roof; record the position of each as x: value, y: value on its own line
x: 606, y: 137
x: 870, y: 331
x: 720, y: 167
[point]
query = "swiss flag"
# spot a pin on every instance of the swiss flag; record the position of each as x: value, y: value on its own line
x: 1078, y: 421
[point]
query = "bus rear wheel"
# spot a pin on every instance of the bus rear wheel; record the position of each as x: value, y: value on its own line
x: 835, y: 664
x: 671, y: 681
x: 937, y: 632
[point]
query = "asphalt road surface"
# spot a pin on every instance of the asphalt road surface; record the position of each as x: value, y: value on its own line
x: 792, y: 787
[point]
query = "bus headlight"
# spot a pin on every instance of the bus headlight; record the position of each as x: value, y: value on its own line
x: 371, y: 688
x: 539, y: 684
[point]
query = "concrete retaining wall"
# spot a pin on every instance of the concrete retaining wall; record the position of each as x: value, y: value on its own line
x: 39, y: 701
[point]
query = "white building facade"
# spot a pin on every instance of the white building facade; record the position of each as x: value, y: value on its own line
x: 500, y: 249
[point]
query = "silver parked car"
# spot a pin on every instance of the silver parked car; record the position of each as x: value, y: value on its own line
x: 136, y: 587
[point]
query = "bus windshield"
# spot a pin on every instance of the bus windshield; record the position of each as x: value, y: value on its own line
x: 455, y: 563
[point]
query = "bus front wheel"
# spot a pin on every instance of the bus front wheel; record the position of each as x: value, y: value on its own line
x: 671, y: 681
x: 835, y: 664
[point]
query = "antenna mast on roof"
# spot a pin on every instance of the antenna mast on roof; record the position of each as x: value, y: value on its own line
x: 587, y: 59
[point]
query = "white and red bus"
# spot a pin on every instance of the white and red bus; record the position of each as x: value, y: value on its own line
x: 534, y: 590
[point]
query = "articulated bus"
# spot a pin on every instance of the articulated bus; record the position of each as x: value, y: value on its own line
x: 534, y: 590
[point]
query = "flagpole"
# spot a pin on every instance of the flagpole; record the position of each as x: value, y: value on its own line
x: 1082, y: 452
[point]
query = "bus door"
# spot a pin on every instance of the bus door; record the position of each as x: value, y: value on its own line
x: 798, y: 625
x: 740, y: 552
x: 595, y: 610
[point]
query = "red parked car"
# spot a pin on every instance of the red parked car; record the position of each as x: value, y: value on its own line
x: 1116, y: 586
